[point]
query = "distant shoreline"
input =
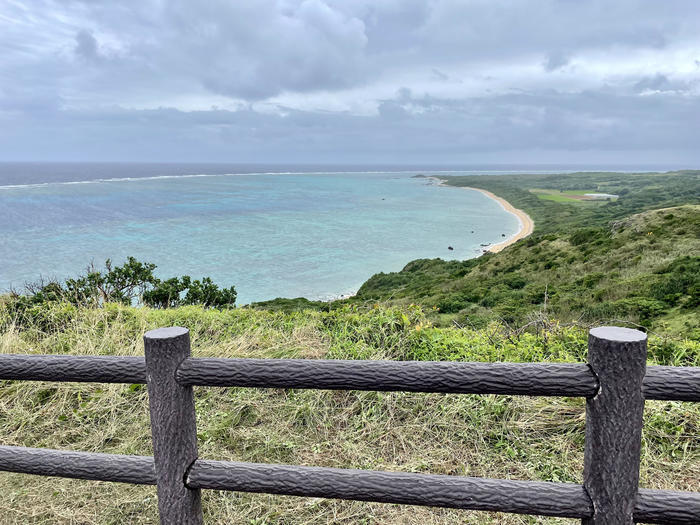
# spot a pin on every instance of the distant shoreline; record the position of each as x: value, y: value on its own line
x: 527, y: 225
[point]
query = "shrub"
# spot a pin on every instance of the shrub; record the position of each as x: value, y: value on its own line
x: 451, y: 304
x: 515, y: 281
x: 680, y: 278
x: 184, y: 291
x: 133, y: 282
x: 641, y: 307
x: 587, y: 235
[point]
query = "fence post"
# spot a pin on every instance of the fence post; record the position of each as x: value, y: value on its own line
x: 173, y: 425
x: 614, y: 423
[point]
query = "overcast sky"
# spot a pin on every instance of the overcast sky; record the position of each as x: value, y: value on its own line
x: 397, y: 81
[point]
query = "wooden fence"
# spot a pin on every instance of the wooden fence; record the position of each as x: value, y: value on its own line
x: 615, y: 384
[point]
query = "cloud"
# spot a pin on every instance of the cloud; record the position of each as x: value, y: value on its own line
x: 555, y: 61
x: 307, y: 47
x: 324, y: 79
x: 662, y: 83
x: 407, y: 128
x: 439, y: 75
x: 86, y: 45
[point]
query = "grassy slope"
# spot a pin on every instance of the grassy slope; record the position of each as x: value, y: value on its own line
x: 496, y: 436
x: 594, y: 261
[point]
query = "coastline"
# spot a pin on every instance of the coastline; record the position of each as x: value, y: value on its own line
x: 527, y: 225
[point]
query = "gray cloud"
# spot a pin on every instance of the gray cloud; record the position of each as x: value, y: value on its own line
x: 259, y: 52
x: 86, y: 45
x: 406, y: 128
x: 660, y: 83
x: 348, y: 81
x: 556, y: 61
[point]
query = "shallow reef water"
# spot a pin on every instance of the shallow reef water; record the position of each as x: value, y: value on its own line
x: 316, y: 235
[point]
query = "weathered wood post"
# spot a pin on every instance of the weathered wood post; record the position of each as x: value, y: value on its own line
x: 614, y: 423
x: 173, y: 425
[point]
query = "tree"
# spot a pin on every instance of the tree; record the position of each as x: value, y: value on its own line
x: 184, y: 291
x: 131, y: 283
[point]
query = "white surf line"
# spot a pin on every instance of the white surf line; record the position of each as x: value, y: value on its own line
x: 196, y: 175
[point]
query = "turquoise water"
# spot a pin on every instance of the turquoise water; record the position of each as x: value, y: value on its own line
x: 271, y: 235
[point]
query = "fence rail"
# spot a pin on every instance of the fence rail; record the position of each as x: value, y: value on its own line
x: 666, y: 383
x: 615, y: 384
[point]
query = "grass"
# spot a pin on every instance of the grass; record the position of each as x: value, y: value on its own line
x: 554, y: 197
x: 494, y: 436
x: 567, y: 196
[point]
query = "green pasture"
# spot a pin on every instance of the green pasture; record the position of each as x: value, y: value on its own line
x: 568, y: 196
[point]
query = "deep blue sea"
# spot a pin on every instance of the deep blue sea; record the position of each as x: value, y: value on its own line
x: 311, y: 231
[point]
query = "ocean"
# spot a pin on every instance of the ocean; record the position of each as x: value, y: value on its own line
x: 315, y: 232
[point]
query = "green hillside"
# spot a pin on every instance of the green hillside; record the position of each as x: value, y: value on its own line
x: 635, y: 259
x: 637, y: 192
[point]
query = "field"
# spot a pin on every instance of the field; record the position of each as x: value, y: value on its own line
x: 569, y: 196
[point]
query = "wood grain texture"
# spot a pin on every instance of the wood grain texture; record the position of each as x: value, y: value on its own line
x: 667, y: 507
x: 550, y: 379
x: 80, y: 368
x: 614, y: 424
x: 652, y: 506
x: 522, y: 497
x: 138, y: 470
x: 672, y: 383
x: 173, y: 426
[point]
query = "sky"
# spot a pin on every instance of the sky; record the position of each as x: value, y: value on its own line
x: 341, y: 81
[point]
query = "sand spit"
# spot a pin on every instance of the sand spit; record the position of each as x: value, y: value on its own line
x: 527, y: 225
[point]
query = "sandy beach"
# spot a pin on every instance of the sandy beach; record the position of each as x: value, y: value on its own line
x: 527, y: 225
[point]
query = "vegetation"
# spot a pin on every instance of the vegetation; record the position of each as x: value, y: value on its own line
x: 496, y: 436
x: 631, y: 260
x: 638, y: 192
x: 570, y: 196
x: 133, y: 282
x: 287, y: 305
